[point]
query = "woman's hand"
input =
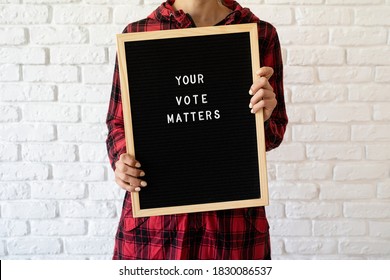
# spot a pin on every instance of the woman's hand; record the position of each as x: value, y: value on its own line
x: 127, y: 174
x: 263, y: 93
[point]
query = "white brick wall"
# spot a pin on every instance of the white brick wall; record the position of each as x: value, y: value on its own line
x: 329, y: 181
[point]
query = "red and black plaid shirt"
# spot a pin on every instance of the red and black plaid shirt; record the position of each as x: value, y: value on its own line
x: 228, y: 234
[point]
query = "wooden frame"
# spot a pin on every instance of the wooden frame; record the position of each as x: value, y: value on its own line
x: 204, y: 32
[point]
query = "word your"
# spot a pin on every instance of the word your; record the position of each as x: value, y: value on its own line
x: 191, y: 79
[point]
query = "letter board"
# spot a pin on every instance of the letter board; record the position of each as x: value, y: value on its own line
x: 185, y: 104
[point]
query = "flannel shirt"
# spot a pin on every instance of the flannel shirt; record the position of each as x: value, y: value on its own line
x: 227, y: 234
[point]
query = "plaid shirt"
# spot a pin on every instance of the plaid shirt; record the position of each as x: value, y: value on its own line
x: 228, y: 234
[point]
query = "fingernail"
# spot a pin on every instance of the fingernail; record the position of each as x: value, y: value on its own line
x: 250, y: 106
x: 252, y: 111
x: 142, y: 174
x: 144, y: 184
x: 137, y: 189
x: 250, y: 92
x: 138, y: 165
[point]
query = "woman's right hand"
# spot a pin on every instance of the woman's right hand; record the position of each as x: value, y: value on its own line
x: 127, y: 173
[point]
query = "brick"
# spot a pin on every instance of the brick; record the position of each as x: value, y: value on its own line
x: 23, y: 171
x: 78, y: 172
x: 311, y: 246
x: 51, y: 112
x: 9, y: 113
x: 300, y: 114
x: 26, y: 55
x: 358, y: 36
x: 364, y: 247
x: 382, y: 74
x: 51, y: 73
x: 291, y: 191
x: 318, y: 93
x: 14, y: 191
x: 318, y: 56
x: 12, y: 36
x: 334, y: 190
x: 81, y: 14
x: 276, y: 211
x: 27, y: 92
x: 29, y: 210
x: 57, y: 190
x: 26, y: 132
x: 342, y: 112
x: 381, y: 112
x: 95, y: 113
x: 379, y: 229
x: 9, y: 152
x: 10, y: 228
x: 369, y: 92
x: 290, y: 228
x: 9, y: 73
x: 84, y: 93
x: 371, y: 16
x: 303, y: 35
x: 287, y: 152
x: 324, y: 16
x: 104, y: 35
x: 370, y: 132
x: 49, y: 35
x: 276, y: 15
x: 345, y: 74
x: 55, y: 152
x: 339, y: 228
x: 320, y: 133
x: 23, y: 14
x: 78, y: 209
x: 313, y: 210
x: 2, y: 249
x: 97, y: 74
x: 299, y: 75
x: 360, y: 171
x: 334, y: 151
x: 369, y: 56
x: 34, y: 246
x: 77, y: 55
x: 303, y: 171
x: 104, y: 227
x: 93, y: 152
x: 384, y: 189
x: 58, y: 227
x: 125, y: 14
x: 104, y: 191
x: 82, y: 133
x: 378, y: 151
x: 369, y: 210
x: 89, y: 245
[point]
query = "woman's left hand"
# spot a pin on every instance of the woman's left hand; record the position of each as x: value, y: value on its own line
x: 263, y: 93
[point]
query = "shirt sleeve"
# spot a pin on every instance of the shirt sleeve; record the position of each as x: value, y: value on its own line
x: 116, y: 144
x: 271, y: 56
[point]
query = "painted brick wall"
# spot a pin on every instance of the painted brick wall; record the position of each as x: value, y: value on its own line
x: 329, y: 181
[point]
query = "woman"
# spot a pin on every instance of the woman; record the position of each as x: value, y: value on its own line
x: 227, y: 234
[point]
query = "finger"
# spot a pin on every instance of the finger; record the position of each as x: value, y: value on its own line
x: 265, y: 71
x: 126, y: 186
x: 262, y: 94
x: 124, y: 168
x: 129, y: 160
x: 130, y: 179
x: 268, y: 106
x: 258, y: 84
